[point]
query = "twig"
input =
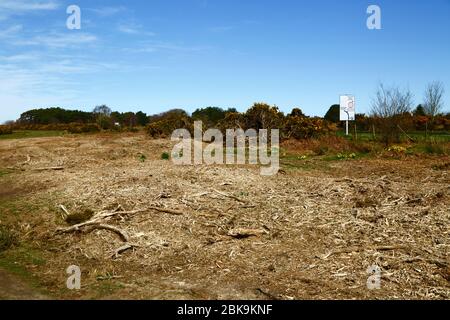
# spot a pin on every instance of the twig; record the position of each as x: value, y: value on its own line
x: 65, y: 213
x: 359, y: 249
x: 170, y: 211
x: 230, y: 196
x: 122, y: 249
x: 242, y: 233
x: 49, y: 169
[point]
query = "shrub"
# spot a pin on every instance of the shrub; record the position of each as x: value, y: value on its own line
x: 83, y: 128
x: 165, y: 156
x: 264, y: 116
x: 165, y: 127
x: 7, y: 238
x: 434, y: 148
x: 301, y: 127
x: 5, y: 130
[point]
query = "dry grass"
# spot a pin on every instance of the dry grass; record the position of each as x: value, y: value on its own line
x: 315, y: 232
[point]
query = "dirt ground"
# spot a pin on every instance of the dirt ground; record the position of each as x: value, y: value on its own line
x: 223, y: 232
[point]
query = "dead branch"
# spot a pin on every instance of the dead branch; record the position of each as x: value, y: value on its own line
x: 242, y: 233
x: 123, y: 236
x: 229, y: 196
x: 49, y: 169
x: 122, y: 249
x: 93, y: 225
x: 164, y: 210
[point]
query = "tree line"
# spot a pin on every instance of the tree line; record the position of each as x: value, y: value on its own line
x: 392, y: 113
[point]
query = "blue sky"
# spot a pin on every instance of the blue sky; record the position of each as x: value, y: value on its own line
x: 153, y: 55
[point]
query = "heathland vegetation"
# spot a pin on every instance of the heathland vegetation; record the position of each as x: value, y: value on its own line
x: 392, y: 119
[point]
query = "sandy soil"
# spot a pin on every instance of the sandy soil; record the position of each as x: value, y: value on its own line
x: 226, y: 232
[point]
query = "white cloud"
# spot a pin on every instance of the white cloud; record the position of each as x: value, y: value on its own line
x: 59, y: 40
x: 221, y: 29
x: 11, y: 31
x: 19, y: 58
x: 12, y: 7
x: 107, y: 11
x: 165, y: 46
x: 32, y: 80
x: 27, y: 5
x: 133, y: 29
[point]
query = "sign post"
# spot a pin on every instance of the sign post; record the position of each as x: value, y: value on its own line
x: 347, y: 113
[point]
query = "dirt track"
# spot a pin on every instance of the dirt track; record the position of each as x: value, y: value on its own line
x: 317, y: 230
x: 12, y: 288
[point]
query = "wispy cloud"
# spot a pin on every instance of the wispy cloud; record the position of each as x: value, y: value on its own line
x: 11, y: 31
x: 27, y: 5
x: 58, y: 40
x: 149, y: 47
x: 15, y: 7
x: 133, y: 29
x: 107, y: 11
x: 26, y: 57
x: 221, y: 28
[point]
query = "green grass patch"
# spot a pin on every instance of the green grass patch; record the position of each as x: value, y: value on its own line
x: 418, y: 136
x: 26, y: 134
x: 16, y: 260
x: 346, y: 156
x: 106, y: 288
x: 289, y: 161
x: 4, y: 172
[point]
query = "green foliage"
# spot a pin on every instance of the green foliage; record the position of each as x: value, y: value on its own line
x: 165, y: 156
x: 343, y: 156
x: 434, y: 148
x: 333, y: 114
x: 102, y: 110
x: 210, y: 116
x: 55, y: 116
x: 25, y: 134
x: 419, y: 111
x: 141, y: 119
x: 142, y: 157
x: 7, y: 238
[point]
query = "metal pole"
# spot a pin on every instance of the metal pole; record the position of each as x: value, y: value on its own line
x: 346, y: 128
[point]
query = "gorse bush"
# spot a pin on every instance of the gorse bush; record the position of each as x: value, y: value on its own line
x: 260, y: 116
x: 83, y: 128
x: 5, y: 130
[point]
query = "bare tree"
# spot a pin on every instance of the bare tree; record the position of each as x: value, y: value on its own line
x: 102, y: 110
x: 390, y: 107
x: 433, y: 100
x: 391, y: 102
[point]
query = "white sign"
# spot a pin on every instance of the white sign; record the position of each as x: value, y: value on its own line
x: 347, y: 108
